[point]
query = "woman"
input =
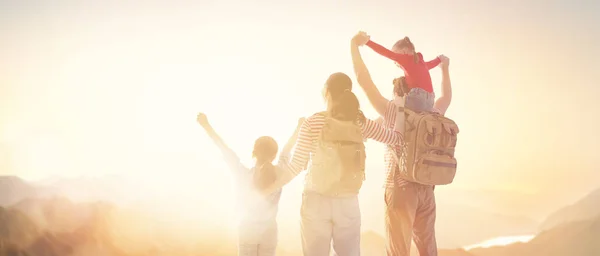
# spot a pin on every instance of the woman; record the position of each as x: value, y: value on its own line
x: 334, y: 142
x: 410, y: 207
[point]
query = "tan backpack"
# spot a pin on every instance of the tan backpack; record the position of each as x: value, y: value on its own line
x: 338, y: 163
x: 427, y: 156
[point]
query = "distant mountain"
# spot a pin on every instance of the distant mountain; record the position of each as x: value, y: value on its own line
x: 16, y: 228
x: 503, y: 202
x: 584, y: 209
x: 452, y: 219
x: 14, y: 189
x: 83, y: 189
x: 56, y: 214
x: 22, y: 237
x: 570, y: 239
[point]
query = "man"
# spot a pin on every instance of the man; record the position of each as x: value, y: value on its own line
x: 410, y: 207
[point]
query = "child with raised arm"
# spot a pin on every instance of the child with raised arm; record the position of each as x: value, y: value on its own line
x: 258, y: 224
x: 420, y: 96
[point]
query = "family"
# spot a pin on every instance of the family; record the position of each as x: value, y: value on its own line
x: 333, y: 142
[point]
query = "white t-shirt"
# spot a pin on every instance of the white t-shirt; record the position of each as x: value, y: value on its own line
x: 254, y: 209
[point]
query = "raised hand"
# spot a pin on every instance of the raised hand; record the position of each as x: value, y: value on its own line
x: 445, y: 61
x: 202, y: 120
x: 361, y: 38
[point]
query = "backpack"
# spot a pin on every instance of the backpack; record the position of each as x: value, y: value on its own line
x: 427, y: 155
x: 338, y: 163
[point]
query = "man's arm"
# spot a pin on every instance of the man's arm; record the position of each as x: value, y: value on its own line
x: 443, y: 102
x: 366, y: 82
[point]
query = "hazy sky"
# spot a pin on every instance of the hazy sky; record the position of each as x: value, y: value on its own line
x: 91, y: 88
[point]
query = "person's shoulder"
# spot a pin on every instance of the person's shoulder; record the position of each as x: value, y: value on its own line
x: 389, y: 108
x: 316, y: 121
x: 436, y: 110
x: 316, y: 117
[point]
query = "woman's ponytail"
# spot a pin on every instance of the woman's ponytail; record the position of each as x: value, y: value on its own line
x: 345, y: 106
x: 264, y: 176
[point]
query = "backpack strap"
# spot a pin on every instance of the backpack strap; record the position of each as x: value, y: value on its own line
x: 402, y: 114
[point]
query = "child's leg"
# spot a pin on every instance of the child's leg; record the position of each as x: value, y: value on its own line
x: 419, y: 100
x: 268, y: 242
x: 247, y: 240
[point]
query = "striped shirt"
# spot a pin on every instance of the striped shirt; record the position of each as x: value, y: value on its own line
x: 311, y: 128
x: 391, y: 165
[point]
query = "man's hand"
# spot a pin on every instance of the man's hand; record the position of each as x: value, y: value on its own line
x: 445, y: 61
x: 202, y: 120
x: 361, y: 38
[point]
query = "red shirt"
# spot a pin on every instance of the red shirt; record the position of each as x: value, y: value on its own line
x: 417, y: 74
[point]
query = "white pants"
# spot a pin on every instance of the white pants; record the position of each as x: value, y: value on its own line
x: 257, y: 240
x: 330, y: 219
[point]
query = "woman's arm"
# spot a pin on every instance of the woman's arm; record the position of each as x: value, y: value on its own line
x: 231, y: 157
x: 364, y: 78
x: 375, y: 131
x: 287, y: 149
x: 443, y: 102
x: 299, y: 160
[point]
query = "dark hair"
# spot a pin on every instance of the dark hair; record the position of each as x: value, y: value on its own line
x: 344, y: 104
x: 265, y: 150
x: 406, y: 43
x: 400, y: 86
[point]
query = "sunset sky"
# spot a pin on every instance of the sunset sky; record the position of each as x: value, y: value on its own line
x: 113, y: 87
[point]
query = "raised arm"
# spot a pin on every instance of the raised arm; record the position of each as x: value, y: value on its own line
x: 231, y: 157
x: 364, y: 77
x: 433, y: 63
x: 299, y: 160
x: 400, y: 58
x: 287, y: 149
x: 443, y: 102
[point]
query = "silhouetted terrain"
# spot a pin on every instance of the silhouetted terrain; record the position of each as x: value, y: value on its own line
x: 453, y: 212
x: 586, y: 208
x: 44, y: 223
x: 453, y: 217
x: 571, y: 239
x: 14, y: 189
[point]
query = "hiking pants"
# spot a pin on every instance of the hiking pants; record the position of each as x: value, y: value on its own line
x: 326, y: 220
x: 410, y: 211
x: 257, y: 239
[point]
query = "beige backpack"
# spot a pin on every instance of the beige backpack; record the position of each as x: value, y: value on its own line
x: 338, y: 163
x: 427, y: 156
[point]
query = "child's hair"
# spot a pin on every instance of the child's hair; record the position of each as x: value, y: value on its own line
x: 406, y: 43
x: 265, y: 151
